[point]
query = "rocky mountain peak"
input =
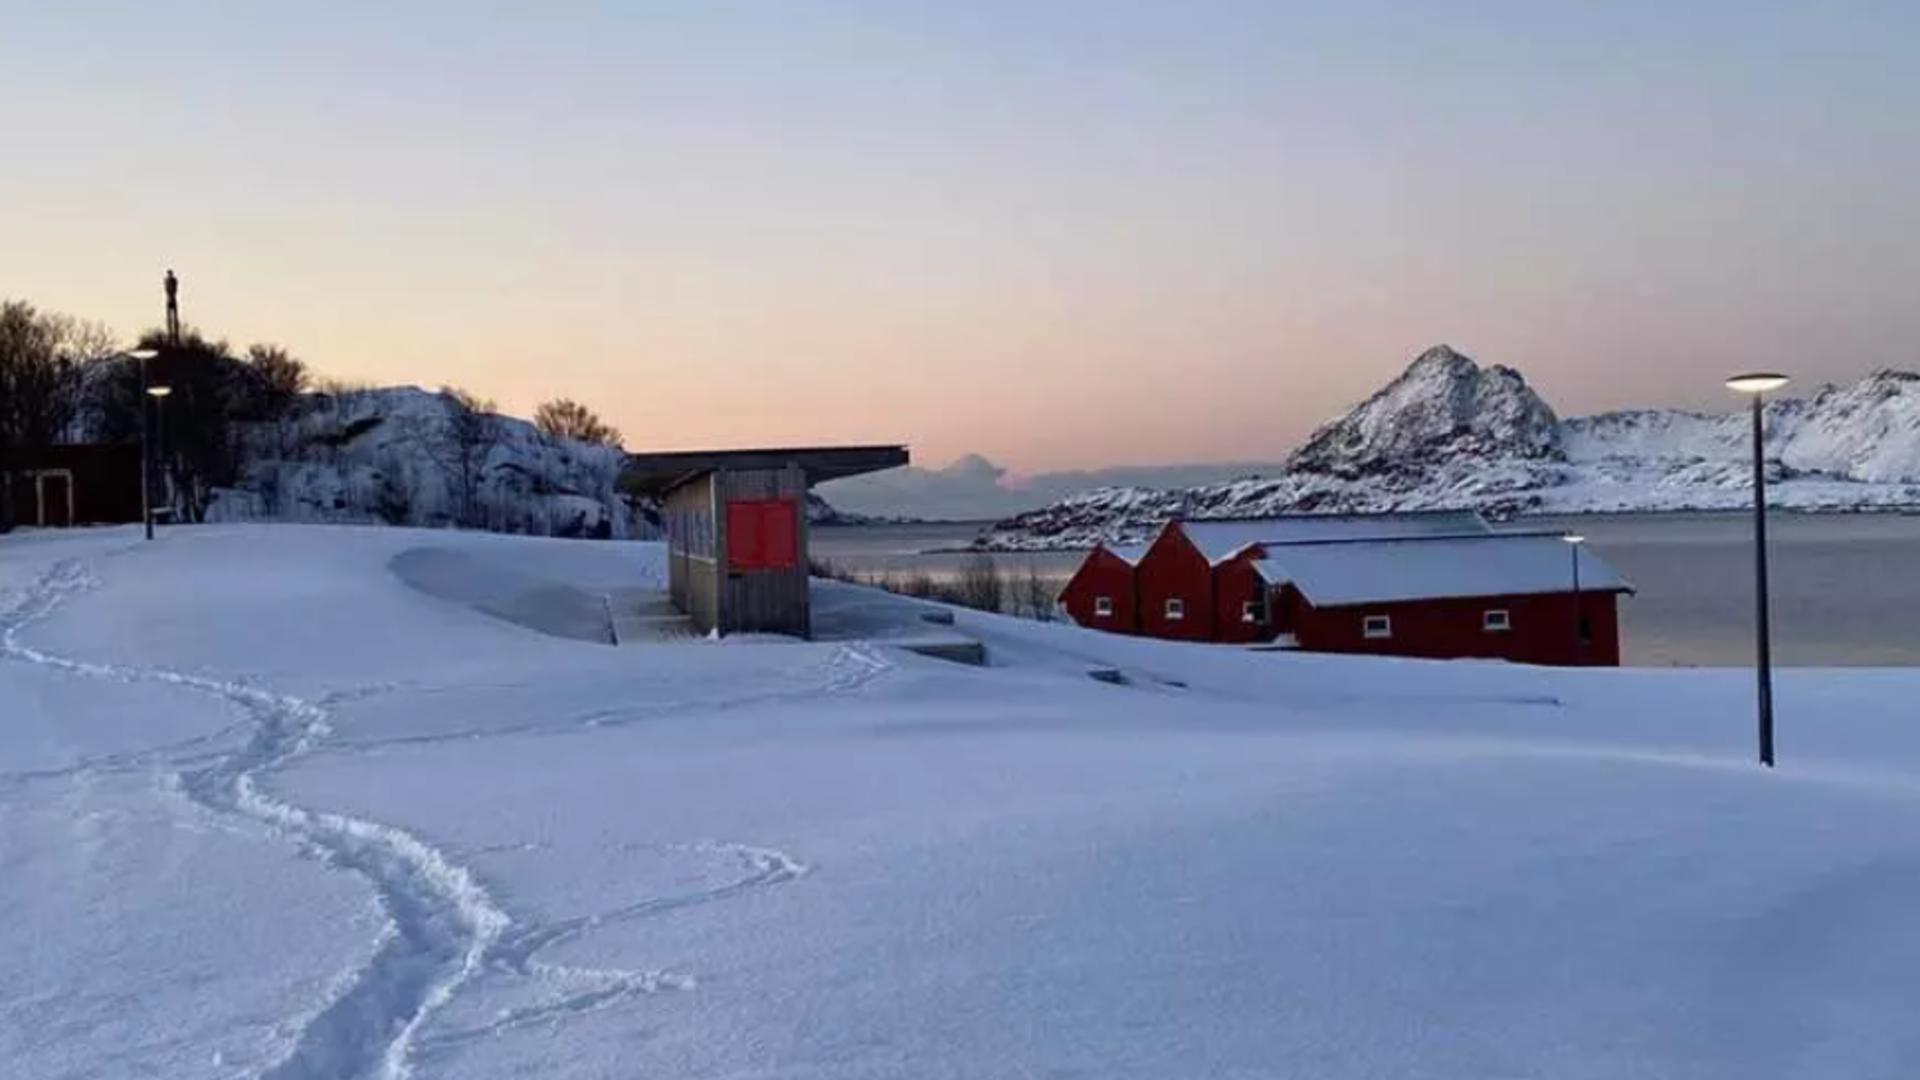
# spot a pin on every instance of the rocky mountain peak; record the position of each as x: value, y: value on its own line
x: 1442, y: 357
x: 1443, y: 406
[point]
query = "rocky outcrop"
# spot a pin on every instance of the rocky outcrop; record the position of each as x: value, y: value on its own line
x: 1450, y: 434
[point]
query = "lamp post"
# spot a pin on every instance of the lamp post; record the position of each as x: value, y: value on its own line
x: 1758, y: 384
x: 140, y: 357
x: 1574, y: 540
x: 159, y: 396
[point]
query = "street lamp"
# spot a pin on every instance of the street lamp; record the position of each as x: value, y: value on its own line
x: 140, y: 357
x: 159, y: 396
x: 1574, y: 540
x: 1759, y: 384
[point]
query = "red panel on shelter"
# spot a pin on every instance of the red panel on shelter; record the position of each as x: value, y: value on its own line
x: 762, y: 534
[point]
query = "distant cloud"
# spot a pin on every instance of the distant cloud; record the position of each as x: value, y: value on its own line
x: 972, y: 488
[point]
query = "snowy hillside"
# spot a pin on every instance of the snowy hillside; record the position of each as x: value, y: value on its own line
x: 1443, y: 406
x: 1448, y: 433
x: 403, y: 456
x: 347, y: 829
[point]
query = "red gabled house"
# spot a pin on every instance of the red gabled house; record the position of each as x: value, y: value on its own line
x: 1526, y: 597
x: 1101, y: 594
x: 1428, y: 584
x: 1197, y: 582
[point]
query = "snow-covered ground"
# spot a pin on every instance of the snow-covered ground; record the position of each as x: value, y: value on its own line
x: 284, y: 801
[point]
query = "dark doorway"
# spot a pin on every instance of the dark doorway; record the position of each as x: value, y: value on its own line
x: 56, y: 499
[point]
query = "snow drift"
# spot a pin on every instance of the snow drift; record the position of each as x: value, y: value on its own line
x: 343, y: 828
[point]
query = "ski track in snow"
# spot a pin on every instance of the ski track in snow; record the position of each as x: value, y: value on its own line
x: 443, y: 929
x: 847, y: 668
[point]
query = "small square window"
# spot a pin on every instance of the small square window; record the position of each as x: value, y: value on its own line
x: 1103, y: 606
x: 1250, y: 611
x: 1496, y: 621
x: 1376, y: 626
x: 1176, y: 608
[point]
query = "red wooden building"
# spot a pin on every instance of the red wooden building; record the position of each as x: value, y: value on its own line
x: 77, y: 484
x: 1432, y: 585
x: 1101, y: 592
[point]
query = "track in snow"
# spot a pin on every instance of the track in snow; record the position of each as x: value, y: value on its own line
x: 440, y: 921
x: 443, y: 928
x: 844, y: 670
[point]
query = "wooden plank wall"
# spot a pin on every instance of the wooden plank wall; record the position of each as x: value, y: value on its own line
x: 768, y: 601
x: 696, y: 543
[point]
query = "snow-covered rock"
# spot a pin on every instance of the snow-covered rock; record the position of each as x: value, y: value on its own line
x: 1443, y: 406
x: 822, y: 512
x: 1450, y: 434
x: 404, y: 456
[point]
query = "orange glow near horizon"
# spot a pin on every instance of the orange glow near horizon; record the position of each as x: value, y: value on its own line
x: 1190, y: 238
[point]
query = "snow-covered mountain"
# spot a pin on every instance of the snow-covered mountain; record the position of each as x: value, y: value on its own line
x: 1443, y: 406
x: 1448, y: 433
x: 404, y: 456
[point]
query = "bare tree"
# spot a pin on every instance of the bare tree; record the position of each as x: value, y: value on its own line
x: 36, y: 379
x: 212, y: 391
x: 275, y: 380
x: 38, y: 392
x: 980, y: 584
x: 82, y: 341
x: 279, y: 375
x: 1036, y: 595
x: 568, y: 419
x: 472, y: 431
x: 336, y: 385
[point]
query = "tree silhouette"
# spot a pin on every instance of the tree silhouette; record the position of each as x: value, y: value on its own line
x: 568, y: 419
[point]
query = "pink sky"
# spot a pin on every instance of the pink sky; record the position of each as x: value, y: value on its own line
x: 1088, y: 235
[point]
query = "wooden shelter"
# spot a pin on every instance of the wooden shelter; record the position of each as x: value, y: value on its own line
x: 736, y: 524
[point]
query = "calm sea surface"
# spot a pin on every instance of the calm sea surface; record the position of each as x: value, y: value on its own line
x: 1846, y: 587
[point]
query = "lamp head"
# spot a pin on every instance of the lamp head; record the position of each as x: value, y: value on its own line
x: 1757, y: 382
x: 1574, y: 538
x: 141, y: 354
x: 159, y: 391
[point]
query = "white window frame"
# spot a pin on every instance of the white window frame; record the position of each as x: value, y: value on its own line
x: 1175, y: 609
x: 1250, y: 611
x: 1103, y: 607
x: 1496, y: 620
x: 1376, y: 627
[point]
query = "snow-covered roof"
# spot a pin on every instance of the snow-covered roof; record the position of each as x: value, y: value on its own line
x: 1414, y: 568
x: 1220, y: 539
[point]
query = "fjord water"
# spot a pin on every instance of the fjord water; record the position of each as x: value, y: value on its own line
x: 1846, y: 587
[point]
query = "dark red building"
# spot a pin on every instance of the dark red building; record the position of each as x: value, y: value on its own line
x: 84, y: 484
x: 1101, y: 593
x: 1431, y: 585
